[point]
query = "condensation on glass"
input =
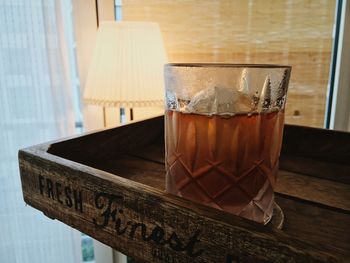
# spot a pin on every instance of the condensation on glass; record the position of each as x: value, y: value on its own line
x: 223, y: 134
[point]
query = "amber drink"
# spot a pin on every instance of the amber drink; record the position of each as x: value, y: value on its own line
x: 223, y: 135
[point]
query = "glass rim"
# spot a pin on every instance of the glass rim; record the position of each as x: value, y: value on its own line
x: 226, y: 65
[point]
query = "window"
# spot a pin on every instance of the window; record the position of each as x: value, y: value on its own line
x: 297, y: 33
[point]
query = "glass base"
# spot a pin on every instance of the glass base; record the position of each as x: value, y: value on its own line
x: 277, y: 219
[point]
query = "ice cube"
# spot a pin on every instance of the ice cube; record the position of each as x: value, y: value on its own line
x: 219, y: 100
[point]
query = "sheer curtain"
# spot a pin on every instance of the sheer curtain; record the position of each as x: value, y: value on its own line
x: 35, y: 106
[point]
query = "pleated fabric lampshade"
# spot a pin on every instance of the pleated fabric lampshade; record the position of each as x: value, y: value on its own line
x: 127, y: 66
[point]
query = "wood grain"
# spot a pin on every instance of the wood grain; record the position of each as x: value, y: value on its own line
x: 318, y: 144
x: 314, y: 189
x: 316, y: 224
x: 320, y: 190
x: 316, y: 152
x: 219, y: 237
x: 111, y: 142
x: 326, y: 170
x: 310, y: 151
x: 293, y: 190
x: 75, y: 180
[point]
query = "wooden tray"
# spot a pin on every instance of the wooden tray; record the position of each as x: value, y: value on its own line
x: 110, y: 185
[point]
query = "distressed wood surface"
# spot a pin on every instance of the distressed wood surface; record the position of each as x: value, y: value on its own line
x: 327, y: 192
x: 117, y: 196
x: 330, y: 193
x: 331, y: 214
x: 316, y: 152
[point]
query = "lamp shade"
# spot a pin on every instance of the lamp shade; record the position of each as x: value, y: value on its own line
x: 127, y: 66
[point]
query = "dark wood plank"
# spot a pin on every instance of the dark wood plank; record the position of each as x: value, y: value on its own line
x: 317, y: 210
x: 315, y: 223
x: 319, y: 144
x: 321, y: 169
x: 319, y: 190
x: 296, y: 156
x: 300, y: 215
x: 109, y: 143
x: 136, y: 169
x: 211, y: 235
x: 154, y: 152
x: 314, y: 189
x: 317, y: 152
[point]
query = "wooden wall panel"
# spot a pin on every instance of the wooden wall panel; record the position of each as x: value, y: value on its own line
x: 298, y: 33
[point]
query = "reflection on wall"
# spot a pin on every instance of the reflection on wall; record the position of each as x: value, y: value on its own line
x: 298, y: 33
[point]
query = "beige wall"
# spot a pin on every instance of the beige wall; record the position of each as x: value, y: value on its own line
x: 298, y: 33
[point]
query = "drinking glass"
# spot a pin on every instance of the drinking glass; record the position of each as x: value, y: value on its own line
x: 223, y: 134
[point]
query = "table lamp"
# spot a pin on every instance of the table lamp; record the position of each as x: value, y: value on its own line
x: 127, y: 66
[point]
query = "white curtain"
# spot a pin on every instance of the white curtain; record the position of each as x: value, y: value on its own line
x: 35, y: 106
